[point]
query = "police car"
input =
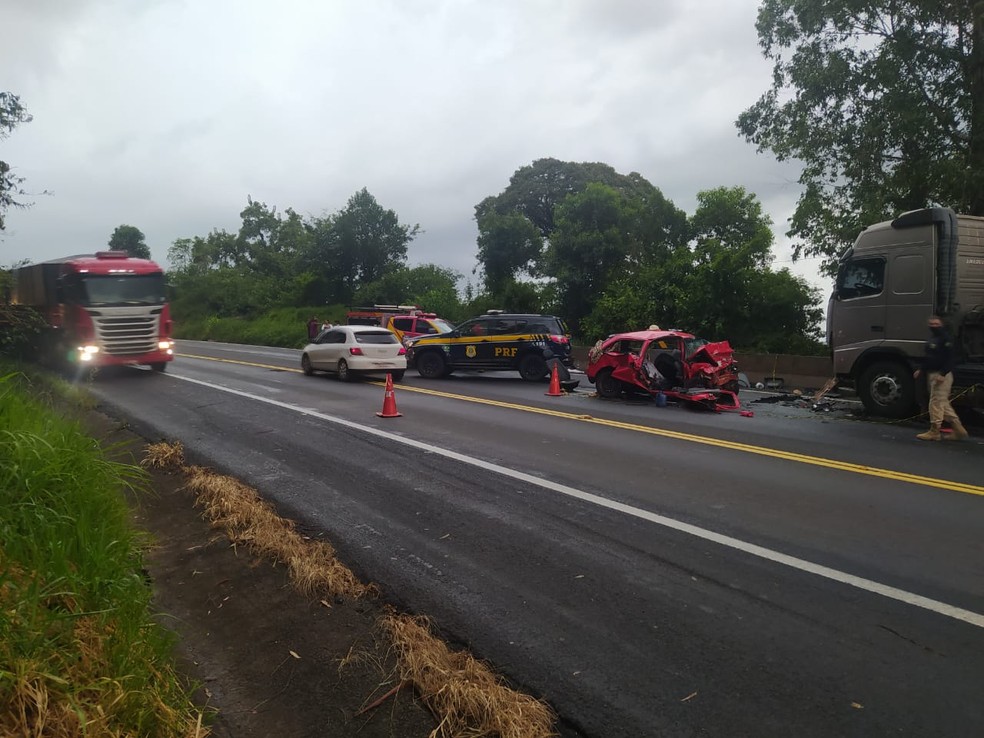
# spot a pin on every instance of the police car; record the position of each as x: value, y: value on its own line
x: 496, y: 340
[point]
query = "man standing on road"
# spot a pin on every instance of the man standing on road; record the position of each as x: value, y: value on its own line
x: 312, y: 328
x: 938, y: 368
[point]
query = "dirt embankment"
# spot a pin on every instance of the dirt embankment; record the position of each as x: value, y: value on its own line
x: 273, y: 661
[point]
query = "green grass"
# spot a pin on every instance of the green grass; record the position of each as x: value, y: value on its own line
x: 284, y: 327
x: 79, y: 649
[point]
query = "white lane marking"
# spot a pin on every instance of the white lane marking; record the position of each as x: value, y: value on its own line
x: 868, y: 585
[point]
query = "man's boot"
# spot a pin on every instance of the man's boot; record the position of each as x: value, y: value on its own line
x: 933, y: 434
x: 959, y: 432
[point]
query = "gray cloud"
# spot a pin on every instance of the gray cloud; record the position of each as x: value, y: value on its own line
x: 167, y: 114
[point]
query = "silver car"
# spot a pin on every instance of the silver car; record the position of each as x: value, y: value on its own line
x: 348, y: 350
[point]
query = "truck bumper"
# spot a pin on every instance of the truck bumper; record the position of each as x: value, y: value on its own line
x: 101, y: 358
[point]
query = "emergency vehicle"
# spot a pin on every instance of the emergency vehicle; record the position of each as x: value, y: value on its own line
x: 406, y: 321
x: 496, y: 340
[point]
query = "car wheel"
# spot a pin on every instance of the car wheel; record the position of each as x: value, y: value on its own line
x: 533, y: 368
x: 431, y: 365
x: 306, y: 365
x: 887, y: 389
x: 159, y: 366
x: 344, y: 374
x: 397, y: 376
x: 607, y: 385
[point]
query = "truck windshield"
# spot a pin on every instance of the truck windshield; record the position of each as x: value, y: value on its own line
x: 121, y: 289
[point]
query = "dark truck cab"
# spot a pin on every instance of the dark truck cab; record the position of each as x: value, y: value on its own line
x: 896, y: 275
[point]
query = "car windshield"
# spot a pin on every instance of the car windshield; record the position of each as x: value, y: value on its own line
x: 120, y: 289
x: 691, y: 345
x: 442, y: 325
x: 375, y: 337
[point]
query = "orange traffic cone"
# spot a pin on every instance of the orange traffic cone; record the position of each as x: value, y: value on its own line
x: 554, y: 390
x: 389, y: 401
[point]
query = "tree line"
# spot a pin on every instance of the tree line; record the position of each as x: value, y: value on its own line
x: 606, y: 251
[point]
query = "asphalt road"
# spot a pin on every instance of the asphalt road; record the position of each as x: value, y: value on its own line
x: 648, y: 571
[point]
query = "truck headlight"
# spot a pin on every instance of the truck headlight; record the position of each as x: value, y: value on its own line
x: 87, y: 352
x: 165, y: 345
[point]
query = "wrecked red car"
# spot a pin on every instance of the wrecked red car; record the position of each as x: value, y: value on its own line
x: 678, y: 365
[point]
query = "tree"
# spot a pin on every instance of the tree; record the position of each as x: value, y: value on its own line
x: 515, y: 226
x: 430, y: 286
x: 883, y: 102
x: 508, y: 244
x: 718, y: 286
x: 130, y: 239
x: 365, y: 241
x: 588, y: 243
x: 12, y: 114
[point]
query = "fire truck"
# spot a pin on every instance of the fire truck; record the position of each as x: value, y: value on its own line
x: 102, y: 309
x: 406, y: 321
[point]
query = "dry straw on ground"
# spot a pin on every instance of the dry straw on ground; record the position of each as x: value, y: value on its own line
x: 468, y: 699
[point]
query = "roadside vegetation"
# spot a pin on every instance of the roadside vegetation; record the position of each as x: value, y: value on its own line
x: 80, y: 653
x: 605, y: 251
x: 465, y: 696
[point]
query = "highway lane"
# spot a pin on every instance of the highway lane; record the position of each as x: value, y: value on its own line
x: 614, y: 619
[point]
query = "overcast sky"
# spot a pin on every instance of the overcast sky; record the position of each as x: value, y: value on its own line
x: 167, y: 114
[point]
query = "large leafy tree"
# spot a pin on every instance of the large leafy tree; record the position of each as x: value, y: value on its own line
x: 515, y: 227
x: 432, y: 287
x: 364, y: 241
x: 130, y: 239
x: 508, y: 244
x: 198, y: 255
x: 731, y: 292
x: 589, y: 242
x: 882, y: 102
x: 719, y: 285
x: 12, y: 114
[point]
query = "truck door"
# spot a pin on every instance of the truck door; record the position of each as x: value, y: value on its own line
x: 910, y: 299
x: 858, y: 320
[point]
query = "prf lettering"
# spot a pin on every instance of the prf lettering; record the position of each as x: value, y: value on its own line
x: 505, y: 351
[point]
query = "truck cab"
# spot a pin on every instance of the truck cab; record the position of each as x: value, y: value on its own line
x: 896, y: 275
x: 102, y: 309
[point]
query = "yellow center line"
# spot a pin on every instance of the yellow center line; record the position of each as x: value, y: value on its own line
x: 872, y: 471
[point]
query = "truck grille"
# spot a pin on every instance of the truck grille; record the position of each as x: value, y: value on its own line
x: 126, y: 335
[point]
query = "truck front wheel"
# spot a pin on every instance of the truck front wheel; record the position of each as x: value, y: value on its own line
x: 159, y: 366
x: 887, y: 389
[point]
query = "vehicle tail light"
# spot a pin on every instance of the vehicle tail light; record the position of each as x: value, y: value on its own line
x: 355, y: 351
x: 560, y: 339
x: 402, y: 351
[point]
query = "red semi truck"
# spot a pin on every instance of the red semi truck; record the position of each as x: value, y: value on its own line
x: 102, y: 309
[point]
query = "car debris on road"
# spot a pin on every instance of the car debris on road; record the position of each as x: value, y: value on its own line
x: 671, y: 364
